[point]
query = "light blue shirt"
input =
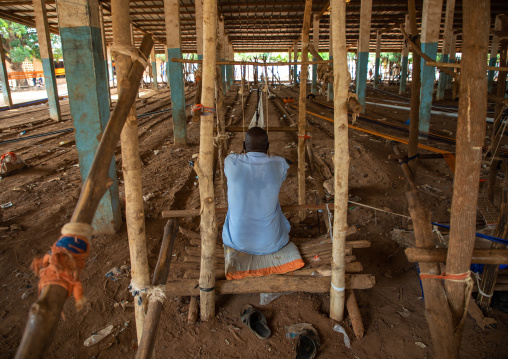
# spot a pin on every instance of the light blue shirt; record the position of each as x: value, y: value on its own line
x: 255, y: 223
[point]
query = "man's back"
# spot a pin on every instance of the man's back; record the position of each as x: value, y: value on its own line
x: 255, y: 223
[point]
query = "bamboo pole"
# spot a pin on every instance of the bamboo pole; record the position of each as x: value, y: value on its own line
x: 160, y: 277
x: 302, y: 106
x: 341, y: 158
x: 45, y: 312
x: 204, y: 165
x: 470, y: 139
x: 256, y: 63
x: 131, y: 167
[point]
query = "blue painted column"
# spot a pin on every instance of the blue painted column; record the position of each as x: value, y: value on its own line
x: 363, y: 51
x: 85, y: 72
x: 175, y: 70
x: 494, y: 49
x: 155, y: 84
x: 445, y: 50
x: 48, y: 66
x: 403, y: 70
x: 231, y: 77
x: 378, y: 59
x: 431, y: 20
x: 6, y: 90
x: 315, y: 40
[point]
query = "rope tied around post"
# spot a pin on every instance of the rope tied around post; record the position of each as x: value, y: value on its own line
x: 131, y: 51
x: 63, y: 264
x: 407, y: 160
x: 154, y: 293
x: 204, y: 111
x: 305, y: 137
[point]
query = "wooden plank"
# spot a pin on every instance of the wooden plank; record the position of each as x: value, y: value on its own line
x: 481, y: 256
x: 271, y: 284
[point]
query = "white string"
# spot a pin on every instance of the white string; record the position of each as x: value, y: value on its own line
x: 341, y: 289
x: 330, y: 222
x: 477, y: 277
x: 154, y: 293
x: 131, y: 51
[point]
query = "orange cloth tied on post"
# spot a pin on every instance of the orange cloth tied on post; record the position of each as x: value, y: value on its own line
x: 63, y: 266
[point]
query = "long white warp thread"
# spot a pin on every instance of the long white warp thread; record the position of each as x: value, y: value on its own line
x: 131, y: 51
x: 261, y: 118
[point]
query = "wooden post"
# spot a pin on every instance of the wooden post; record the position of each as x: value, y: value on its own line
x: 315, y: 41
x: 104, y: 48
x: 451, y: 58
x: 363, y: 51
x: 204, y: 166
x: 222, y: 43
x: 378, y: 59
x: 175, y: 70
x: 329, y: 94
x: 48, y: 66
x: 131, y: 167
x: 289, y: 68
x: 490, y: 270
x: 160, y: 277
x: 493, y: 53
x: 341, y: 159
x: 470, y: 139
x: 405, y: 51
x: 295, y: 59
x: 46, y: 311
x: 302, y: 106
x: 445, y: 50
x: 6, y: 90
x: 431, y: 21
x: 111, y: 75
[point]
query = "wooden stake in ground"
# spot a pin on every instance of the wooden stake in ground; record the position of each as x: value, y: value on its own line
x: 204, y: 165
x: 470, y: 140
x: 302, y: 106
x: 131, y: 166
x: 341, y: 158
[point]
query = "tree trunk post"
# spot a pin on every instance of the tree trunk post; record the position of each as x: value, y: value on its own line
x: 315, y: 41
x: 378, y: 59
x: 470, y: 139
x: 451, y: 58
x: 302, y: 106
x: 329, y: 94
x: 295, y: 68
x: 363, y: 51
x: 204, y: 166
x: 431, y: 21
x: 493, y: 55
x: 404, y: 60
x: 104, y: 49
x: 289, y: 68
x: 175, y: 70
x: 131, y: 167
x: 48, y: 66
x: 6, y: 90
x: 222, y: 42
x: 445, y: 50
x: 341, y: 160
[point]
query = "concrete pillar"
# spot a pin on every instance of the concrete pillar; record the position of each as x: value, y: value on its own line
x: 295, y: 67
x: 451, y: 58
x: 405, y: 53
x: 289, y: 68
x: 48, y: 66
x: 153, y: 59
x: 494, y: 49
x: 378, y: 59
x: 329, y: 93
x: 104, y: 50
x: 222, y: 55
x: 445, y: 51
x: 231, y: 76
x: 6, y: 90
x: 175, y: 70
x: 315, y: 40
x: 198, y: 15
x: 363, y: 50
x: 431, y: 21
x: 85, y: 72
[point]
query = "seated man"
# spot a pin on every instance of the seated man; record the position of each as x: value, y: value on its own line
x: 255, y: 223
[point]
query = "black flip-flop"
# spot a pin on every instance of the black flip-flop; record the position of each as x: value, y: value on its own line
x: 256, y: 322
x: 307, y: 345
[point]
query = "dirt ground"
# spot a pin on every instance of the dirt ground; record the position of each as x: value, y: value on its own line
x: 44, y: 194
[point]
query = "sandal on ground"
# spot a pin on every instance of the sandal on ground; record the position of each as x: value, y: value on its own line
x: 307, y: 345
x: 256, y: 322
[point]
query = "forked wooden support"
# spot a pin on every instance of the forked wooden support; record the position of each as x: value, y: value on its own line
x: 45, y: 312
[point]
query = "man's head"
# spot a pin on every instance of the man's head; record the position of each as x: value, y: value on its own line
x: 256, y: 140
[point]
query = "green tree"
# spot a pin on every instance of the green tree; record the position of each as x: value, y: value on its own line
x: 20, y: 43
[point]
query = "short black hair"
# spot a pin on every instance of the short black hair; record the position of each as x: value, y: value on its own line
x: 256, y: 140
